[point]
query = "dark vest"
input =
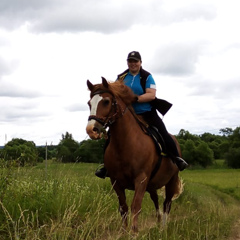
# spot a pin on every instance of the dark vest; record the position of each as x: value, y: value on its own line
x: 161, y: 105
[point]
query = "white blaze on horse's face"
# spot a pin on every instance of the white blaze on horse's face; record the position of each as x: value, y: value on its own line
x: 92, y: 130
x: 94, y: 104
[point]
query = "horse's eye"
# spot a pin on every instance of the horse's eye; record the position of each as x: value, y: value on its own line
x: 106, y: 102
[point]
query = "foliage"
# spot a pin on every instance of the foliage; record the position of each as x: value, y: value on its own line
x: 232, y: 157
x: 216, y: 143
x: 66, y: 149
x: 197, y: 150
x: 202, y: 150
x: 21, y: 151
x: 204, y: 155
x: 188, y: 151
x: 91, y: 151
x: 226, y: 131
x: 51, y: 152
x: 194, y: 150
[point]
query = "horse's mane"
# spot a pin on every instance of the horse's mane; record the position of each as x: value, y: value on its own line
x: 118, y: 89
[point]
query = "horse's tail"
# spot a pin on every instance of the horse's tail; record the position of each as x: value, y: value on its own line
x: 179, y: 188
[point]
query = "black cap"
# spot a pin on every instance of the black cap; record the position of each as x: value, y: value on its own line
x: 134, y: 55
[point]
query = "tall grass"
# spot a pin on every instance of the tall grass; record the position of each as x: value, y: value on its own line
x: 66, y: 201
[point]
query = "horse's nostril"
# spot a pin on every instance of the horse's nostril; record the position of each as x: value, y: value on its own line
x: 95, y: 129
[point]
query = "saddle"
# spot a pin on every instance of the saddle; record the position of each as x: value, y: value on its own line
x: 158, y: 139
x: 160, y: 146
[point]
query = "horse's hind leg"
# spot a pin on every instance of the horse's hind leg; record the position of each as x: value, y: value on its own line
x: 171, y: 189
x: 123, y: 208
x: 154, y: 197
x: 167, y: 204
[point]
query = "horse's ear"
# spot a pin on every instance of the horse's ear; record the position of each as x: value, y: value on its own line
x: 104, y: 82
x: 90, y: 85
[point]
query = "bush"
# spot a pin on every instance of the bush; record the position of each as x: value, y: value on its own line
x: 233, y: 158
x: 91, y: 151
x: 66, y: 148
x: 22, y: 151
x: 204, y: 155
x: 199, y: 154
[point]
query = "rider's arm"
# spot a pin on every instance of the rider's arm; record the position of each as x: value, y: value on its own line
x: 148, y: 96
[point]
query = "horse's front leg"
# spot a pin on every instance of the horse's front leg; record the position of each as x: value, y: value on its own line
x: 140, y: 188
x: 123, y: 208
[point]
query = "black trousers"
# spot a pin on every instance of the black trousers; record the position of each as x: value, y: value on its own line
x: 153, y: 119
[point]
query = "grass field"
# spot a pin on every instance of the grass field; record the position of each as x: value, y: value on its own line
x: 66, y: 201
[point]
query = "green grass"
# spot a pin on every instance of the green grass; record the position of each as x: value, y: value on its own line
x: 67, y: 201
x: 225, y: 180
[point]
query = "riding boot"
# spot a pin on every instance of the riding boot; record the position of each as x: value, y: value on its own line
x: 180, y: 163
x: 101, y: 172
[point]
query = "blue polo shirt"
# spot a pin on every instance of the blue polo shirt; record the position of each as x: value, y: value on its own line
x: 135, y: 84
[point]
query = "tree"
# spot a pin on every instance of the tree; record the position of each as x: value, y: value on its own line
x: 204, y: 155
x: 235, y: 138
x: 208, y: 137
x: 188, y: 152
x: 21, y: 151
x: 186, y: 135
x: 219, y: 144
x: 66, y: 148
x: 91, y: 151
x: 51, y: 152
x: 197, y: 153
x: 232, y: 157
x: 215, y: 147
x: 226, y: 131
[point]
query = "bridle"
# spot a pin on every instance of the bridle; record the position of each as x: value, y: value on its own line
x: 118, y: 109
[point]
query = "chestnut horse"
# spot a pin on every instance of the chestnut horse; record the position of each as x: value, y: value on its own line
x: 131, y: 155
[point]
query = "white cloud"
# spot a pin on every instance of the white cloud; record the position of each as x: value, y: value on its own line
x: 105, y: 16
x: 176, y: 58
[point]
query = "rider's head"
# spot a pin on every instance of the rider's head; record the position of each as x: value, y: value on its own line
x: 134, y: 55
x: 134, y: 62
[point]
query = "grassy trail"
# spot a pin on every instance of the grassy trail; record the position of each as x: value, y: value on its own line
x: 67, y: 202
x: 223, y: 180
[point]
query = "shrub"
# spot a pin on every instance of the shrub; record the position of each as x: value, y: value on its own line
x: 233, y: 158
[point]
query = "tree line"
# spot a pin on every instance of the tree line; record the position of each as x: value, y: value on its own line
x: 201, y: 150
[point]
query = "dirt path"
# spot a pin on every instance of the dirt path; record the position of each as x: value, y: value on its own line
x: 235, y: 234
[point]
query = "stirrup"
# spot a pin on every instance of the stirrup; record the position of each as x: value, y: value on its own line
x: 181, y: 163
x: 101, y: 172
x: 100, y: 167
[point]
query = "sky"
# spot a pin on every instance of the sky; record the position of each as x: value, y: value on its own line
x: 50, y: 48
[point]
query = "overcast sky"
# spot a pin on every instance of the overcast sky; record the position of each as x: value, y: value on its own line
x: 49, y: 48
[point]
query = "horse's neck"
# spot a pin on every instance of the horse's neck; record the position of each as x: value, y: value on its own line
x: 125, y: 126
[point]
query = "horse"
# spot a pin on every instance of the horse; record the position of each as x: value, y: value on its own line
x: 131, y: 156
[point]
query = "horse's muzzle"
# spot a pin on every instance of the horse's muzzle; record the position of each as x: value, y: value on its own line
x: 94, y: 130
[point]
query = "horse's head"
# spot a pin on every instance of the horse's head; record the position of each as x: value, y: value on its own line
x: 103, y: 108
x: 108, y: 102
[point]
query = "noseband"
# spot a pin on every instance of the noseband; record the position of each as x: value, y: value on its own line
x: 117, y: 110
